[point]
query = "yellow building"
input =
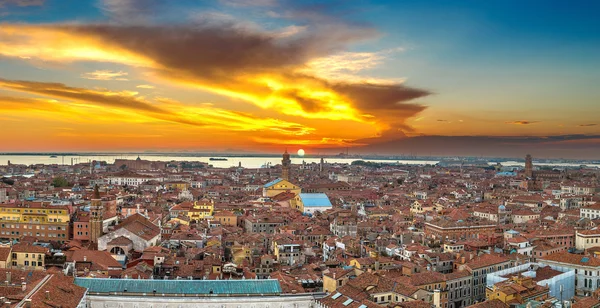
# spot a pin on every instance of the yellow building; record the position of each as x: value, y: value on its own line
x: 278, y: 186
x: 202, y: 209
x: 5, y: 257
x: 517, y: 290
x: 420, y: 207
x: 226, y: 218
x: 241, y: 253
x: 338, y: 277
x: 37, y: 219
x: 177, y: 185
x: 28, y: 256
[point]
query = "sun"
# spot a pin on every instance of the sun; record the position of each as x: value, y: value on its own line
x: 301, y: 152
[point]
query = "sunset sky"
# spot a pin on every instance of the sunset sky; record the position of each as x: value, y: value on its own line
x: 261, y: 75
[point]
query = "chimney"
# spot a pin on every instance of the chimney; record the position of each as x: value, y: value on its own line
x: 9, y: 277
x: 28, y: 303
x: 84, y: 258
x: 47, y: 295
x: 23, y: 286
x: 7, y: 304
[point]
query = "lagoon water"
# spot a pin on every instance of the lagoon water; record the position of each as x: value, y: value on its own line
x: 247, y: 162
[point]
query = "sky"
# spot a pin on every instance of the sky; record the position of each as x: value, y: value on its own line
x: 489, y: 78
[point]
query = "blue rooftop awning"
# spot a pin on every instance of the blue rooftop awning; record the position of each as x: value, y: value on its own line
x: 272, y: 183
x: 186, y: 287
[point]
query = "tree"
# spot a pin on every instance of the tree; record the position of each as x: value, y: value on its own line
x: 60, y: 181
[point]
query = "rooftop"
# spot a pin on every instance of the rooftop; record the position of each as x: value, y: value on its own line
x: 315, y: 199
x: 189, y: 287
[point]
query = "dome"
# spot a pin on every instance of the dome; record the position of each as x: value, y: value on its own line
x: 501, y: 207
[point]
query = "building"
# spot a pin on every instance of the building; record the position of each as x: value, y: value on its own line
x: 178, y: 185
x: 262, y: 224
x: 309, y: 203
x: 338, y: 277
x: 446, y: 229
x: 479, y: 267
x: 226, y: 218
x: 138, y: 229
x: 327, y: 187
x: 586, y: 270
x: 591, y: 211
x: 128, y: 178
x: 585, y: 239
x: 27, y: 256
x: 4, y: 192
x: 139, y: 164
x: 528, y: 166
x: 38, y: 219
x: 40, y: 289
x: 89, y: 263
x: 517, y: 290
x: 201, y: 210
x: 561, y: 284
x: 278, y: 186
x: 96, y: 217
x: 578, y: 189
x: 81, y: 226
x: 5, y: 257
x: 459, y: 285
x: 130, y: 293
x: 286, y: 164
x: 288, y: 252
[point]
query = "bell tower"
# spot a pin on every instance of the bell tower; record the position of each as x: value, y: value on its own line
x: 528, y: 166
x: 286, y: 162
x: 96, y: 216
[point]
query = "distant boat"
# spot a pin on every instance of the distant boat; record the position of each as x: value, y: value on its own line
x: 52, y: 156
x: 218, y: 158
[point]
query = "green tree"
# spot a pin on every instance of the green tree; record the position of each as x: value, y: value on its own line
x: 60, y: 181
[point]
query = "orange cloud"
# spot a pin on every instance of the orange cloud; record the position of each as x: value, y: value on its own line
x: 281, y: 74
x: 135, y: 107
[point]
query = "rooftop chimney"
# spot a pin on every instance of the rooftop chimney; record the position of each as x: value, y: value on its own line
x: 47, y: 295
x: 84, y: 258
x: 28, y: 303
x: 23, y: 286
x: 9, y: 277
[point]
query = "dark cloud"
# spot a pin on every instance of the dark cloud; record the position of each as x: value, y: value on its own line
x: 227, y: 57
x: 522, y: 122
x: 562, y: 146
x: 205, y: 51
x: 588, y: 125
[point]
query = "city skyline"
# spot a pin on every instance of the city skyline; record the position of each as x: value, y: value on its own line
x: 425, y: 78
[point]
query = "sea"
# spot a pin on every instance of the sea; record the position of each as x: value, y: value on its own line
x: 244, y: 161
